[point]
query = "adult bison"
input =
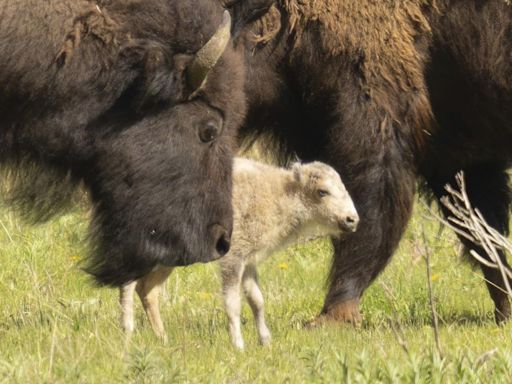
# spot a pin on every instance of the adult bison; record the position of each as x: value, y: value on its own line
x: 386, y: 91
x: 139, y: 101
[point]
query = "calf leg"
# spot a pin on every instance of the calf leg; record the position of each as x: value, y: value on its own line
x: 148, y: 289
x: 255, y: 299
x: 487, y: 189
x: 232, y: 271
x: 126, y: 300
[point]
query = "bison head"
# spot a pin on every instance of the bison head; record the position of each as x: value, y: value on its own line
x: 160, y: 177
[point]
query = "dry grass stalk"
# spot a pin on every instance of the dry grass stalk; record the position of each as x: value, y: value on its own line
x: 431, y: 295
x: 469, y: 223
x: 394, y: 323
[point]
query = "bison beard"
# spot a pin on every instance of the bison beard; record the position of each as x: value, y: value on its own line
x: 118, y: 98
x: 387, y: 92
x: 191, y: 192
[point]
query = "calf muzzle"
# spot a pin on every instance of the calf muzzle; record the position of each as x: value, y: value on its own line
x: 349, y: 223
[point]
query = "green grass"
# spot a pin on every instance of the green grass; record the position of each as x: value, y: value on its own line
x: 56, y: 327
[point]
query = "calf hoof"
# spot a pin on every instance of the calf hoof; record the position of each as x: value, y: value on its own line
x: 127, y: 324
x: 265, y: 340
x: 344, y: 313
x: 237, y: 341
x: 162, y: 336
x: 502, y: 312
x: 239, y: 344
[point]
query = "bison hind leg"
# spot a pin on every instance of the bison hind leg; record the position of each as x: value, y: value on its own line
x: 488, y: 190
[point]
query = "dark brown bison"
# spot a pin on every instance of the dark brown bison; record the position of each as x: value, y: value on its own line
x: 138, y: 100
x: 386, y: 92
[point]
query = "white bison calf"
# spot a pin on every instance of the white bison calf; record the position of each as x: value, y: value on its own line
x: 273, y: 208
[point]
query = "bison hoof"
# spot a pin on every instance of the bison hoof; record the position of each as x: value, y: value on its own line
x: 317, y: 322
x: 502, y: 314
x: 346, y: 312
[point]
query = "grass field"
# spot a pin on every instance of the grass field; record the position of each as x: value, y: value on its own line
x: 56, y: 327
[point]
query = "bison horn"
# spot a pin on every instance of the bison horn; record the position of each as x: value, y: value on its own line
x: 209, y: 54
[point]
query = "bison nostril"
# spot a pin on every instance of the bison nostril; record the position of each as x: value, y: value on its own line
x: 223, y: 244
x: 222, y: 239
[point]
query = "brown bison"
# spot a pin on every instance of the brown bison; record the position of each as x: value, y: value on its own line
x: 386, y: 92
x: 138, y: 100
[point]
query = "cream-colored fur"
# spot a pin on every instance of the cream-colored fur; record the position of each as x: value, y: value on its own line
x: 273, y: 208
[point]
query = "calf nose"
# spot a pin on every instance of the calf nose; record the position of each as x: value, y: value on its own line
x: 349, y: 222
x: 222, y: 240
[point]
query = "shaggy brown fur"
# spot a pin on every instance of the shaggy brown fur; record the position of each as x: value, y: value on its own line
x: 388, y: 61
x: 92, y: 21
x: 364, y: 85
x: 100, y: 93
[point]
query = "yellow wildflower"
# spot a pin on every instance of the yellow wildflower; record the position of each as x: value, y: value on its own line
x: 205, y: 296
x: 282, y: 266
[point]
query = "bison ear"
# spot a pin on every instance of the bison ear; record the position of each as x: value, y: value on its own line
x: 163, y: 78
x: 166, y: 77
x: 246, y: 11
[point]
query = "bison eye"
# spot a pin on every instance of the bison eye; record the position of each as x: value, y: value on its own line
x: 208, y: 131
x: 322, y: 192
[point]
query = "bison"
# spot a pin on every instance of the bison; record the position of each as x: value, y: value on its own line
x: 389, y: 93
x: 139, y: 102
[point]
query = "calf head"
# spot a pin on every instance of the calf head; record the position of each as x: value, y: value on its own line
x: 330, y: 205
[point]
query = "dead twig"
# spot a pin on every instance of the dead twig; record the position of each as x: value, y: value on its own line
x: 469, y: 223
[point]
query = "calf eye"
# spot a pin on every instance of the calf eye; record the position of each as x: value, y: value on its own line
x: 322, y: 192
x: 209, y: 131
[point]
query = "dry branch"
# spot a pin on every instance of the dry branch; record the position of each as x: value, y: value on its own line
x: 469, y: 223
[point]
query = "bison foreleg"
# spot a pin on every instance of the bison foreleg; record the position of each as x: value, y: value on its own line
x: 384, y: 196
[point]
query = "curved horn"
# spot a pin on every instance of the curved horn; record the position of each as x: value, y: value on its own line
x: 209, y: 54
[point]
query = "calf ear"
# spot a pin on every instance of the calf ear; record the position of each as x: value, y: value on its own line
x: 246, y: 11
x: 297, y: 172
